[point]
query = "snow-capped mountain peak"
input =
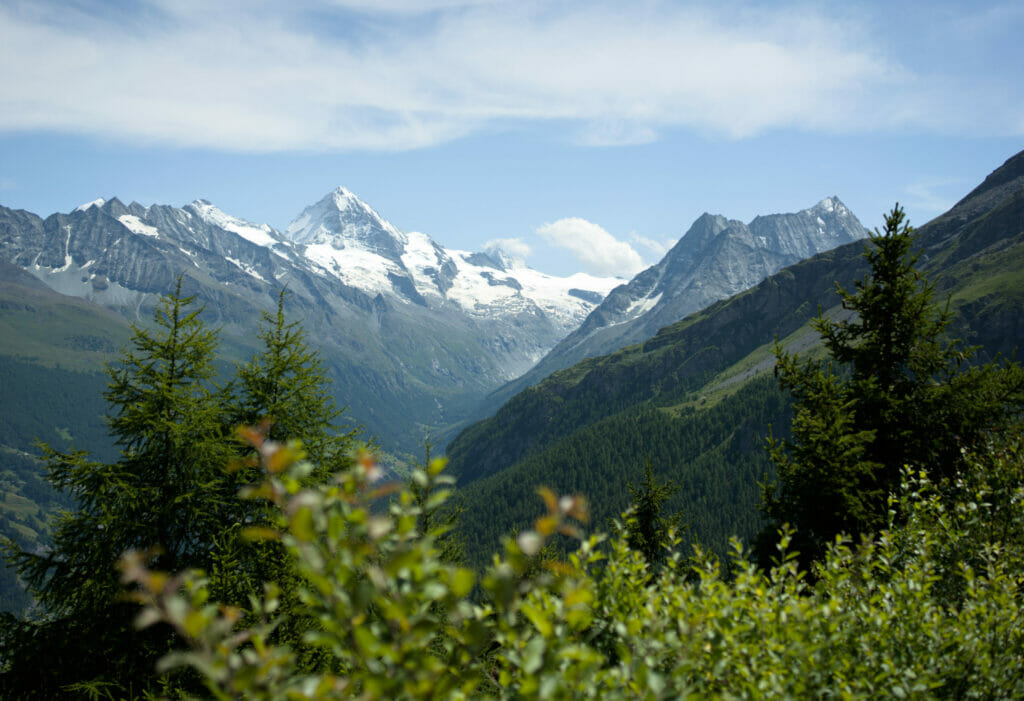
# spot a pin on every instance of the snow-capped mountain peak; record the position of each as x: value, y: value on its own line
x: 346, y: 238
x: 341, y: 217
x: 506, y: 261
x: 830, y: 205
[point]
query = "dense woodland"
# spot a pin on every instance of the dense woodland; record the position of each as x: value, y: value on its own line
x: 273, y: 561
x: 716, y: 456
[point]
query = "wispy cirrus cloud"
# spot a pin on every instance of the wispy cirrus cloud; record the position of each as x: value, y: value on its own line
x: 350, y: 74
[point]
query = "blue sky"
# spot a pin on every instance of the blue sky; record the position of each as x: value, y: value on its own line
x: 588, y: 134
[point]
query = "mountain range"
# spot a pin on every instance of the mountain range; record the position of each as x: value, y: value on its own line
x: 415, y: 335
x: 420, y: 340
x: 716, y: 258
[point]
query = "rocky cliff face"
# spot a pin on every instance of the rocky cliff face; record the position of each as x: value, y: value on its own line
x: 716, y: 258
x: 415, y: 334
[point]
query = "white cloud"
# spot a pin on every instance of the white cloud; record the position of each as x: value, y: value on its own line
x: 258, y: 77
x: 517, y: 248
x: 615, y: 133
x: 658, y: 248
x: 406, y: 7
x: 597, y: 251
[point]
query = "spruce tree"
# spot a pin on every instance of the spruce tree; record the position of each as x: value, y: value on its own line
x: 647, y: 530
x: 168, y: 491
x: 895, y: 391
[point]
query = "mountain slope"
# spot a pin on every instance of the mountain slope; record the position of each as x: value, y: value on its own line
x: 716, y: 258
x: 697, y: 397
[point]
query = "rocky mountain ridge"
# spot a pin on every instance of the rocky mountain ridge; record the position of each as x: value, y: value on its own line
x: 716, y: 258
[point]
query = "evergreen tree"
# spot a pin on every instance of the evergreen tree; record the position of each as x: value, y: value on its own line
x: 282, y: 389
x: 167, y: 491
x: 286, y: 385
x: 895, y: 391
x: 437, y: 514
x: 647, y: 530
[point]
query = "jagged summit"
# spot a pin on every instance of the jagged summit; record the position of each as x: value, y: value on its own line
x: 340, y: 217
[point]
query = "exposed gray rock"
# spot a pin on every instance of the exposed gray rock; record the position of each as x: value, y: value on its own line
x: 716, y: 258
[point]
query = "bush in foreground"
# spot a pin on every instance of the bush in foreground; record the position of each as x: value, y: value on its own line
x: 931, y: 608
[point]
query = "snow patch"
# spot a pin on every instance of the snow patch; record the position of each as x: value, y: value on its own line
x: 353, y: 266
x: 246, y: 268
x: 95, y: 203
x: 479, y: 290
x: 137, y: 226
x: 642, y: 306
x: 259, y: 235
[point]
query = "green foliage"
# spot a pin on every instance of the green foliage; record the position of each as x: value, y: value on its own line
x: 929, y: 608
x: 895, y: 393
x: 436, y: 512
x: 374, y: 584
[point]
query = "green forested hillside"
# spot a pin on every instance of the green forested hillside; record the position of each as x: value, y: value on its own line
x: 51, y: 390
x: 715, y: 454
x: 61, y: 407
x: 706, y: 373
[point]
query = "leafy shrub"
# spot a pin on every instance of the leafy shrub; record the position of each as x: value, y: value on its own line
x: 929, y: 608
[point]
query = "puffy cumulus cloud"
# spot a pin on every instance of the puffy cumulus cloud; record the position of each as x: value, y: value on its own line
x: 597, y: 251
x: 351, y: 74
